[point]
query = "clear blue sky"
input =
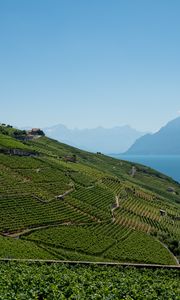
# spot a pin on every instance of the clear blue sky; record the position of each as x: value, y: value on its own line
x: 86, y: 63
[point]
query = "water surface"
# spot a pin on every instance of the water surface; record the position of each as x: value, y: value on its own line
x: 167, y: 164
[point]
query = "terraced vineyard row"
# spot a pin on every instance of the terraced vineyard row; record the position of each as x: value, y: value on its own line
x: 16, y: 162
x: 83, y: 210
x: 97, y: 197
x: 22, y: 212
x: 106, y: 241
x: 141, y: 210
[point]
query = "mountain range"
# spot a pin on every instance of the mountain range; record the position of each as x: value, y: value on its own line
x: 164, y: 142
x: 106, y: 140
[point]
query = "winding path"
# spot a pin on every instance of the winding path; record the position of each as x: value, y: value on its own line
x: 115, y: 206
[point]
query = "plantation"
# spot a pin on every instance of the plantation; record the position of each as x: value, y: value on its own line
x: 90, y: 209
x: 13, y: 248
x: 8, y: 142
x: 41, y: 281
x: 122, y: 245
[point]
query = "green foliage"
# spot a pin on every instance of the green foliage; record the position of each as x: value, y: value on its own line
x: 80, y: 238
x: 14, y: 248
x: 9, y: 142
x: 173, y: 244
x: 140, y: 247
x: 39, y: 194
x: 27, y: 212
x: 82, y: 179
x: 8, y: 130
x: 97, y: 197
x: 41, y: 281
x: 120, y: 245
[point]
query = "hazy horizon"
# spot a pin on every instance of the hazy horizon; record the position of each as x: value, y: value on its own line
x: 90, y: 128
x: 79, y: 128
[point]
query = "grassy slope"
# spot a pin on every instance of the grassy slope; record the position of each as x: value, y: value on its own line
x: 28, y: 187
x: 7, y: 142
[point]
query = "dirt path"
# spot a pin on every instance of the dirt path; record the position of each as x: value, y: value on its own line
x: 29, y: 230
x: 58, y: 197
x: 115, y: 206
x: 148, y: 266
x: 65, y: 194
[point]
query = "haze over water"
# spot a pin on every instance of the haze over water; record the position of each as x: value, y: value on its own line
x: 167, y: 164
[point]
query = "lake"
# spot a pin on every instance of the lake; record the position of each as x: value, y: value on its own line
x: 167, y: 164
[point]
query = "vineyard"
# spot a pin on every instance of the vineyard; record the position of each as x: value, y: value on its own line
x: 91, y: 209
x: 41, y: 281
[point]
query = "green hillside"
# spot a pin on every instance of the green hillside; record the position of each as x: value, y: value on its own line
x: 58, y: 202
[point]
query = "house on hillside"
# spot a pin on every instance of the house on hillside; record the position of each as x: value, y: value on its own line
x: 171, y: 190
x: 70, y: 158
x: 34, y: 133
x: 162, y: 212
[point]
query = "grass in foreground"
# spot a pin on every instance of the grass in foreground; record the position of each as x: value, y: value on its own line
x: 56, y: 282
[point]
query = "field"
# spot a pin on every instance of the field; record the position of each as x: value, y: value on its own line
x: 93, y: 209
x: 41, y: 281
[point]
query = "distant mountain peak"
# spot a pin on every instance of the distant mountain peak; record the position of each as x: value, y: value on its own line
x: 164, y: 142
x: 106, y: 140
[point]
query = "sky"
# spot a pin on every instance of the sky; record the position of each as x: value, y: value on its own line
x: 89, y: 63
